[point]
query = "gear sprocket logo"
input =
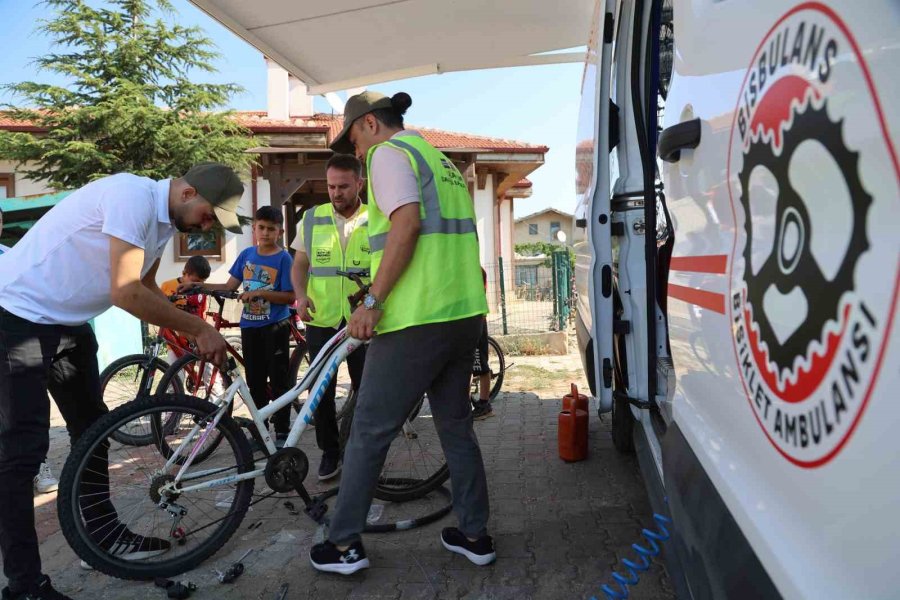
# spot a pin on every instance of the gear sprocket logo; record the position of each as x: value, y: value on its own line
x: 814, y: 270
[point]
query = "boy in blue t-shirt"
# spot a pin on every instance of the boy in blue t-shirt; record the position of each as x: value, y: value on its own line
x: 263, y: 272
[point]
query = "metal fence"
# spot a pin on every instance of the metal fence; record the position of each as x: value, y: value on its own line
x: 532, y: 295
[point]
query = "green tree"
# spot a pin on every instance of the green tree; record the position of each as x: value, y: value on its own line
x: 132, y: 102
x: 545, y: 248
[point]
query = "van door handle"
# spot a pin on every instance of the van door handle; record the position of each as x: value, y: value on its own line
x: 679, y: 137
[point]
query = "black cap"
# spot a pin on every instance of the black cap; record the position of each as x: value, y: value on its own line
x: 219, y: 185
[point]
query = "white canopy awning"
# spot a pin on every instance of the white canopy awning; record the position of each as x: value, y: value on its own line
x: 341, y: 44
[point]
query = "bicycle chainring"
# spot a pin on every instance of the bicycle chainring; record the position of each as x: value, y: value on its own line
x: 286, y: 469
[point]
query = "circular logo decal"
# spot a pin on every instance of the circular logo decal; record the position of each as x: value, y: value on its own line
x: 814, y: 271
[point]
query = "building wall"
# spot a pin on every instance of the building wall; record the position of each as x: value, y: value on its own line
x: 24, y: 186
x: 543, y: 221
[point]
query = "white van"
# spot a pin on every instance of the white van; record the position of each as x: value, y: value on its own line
x: 738, y: 176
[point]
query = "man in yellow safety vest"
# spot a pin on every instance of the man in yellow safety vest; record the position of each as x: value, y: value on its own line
x: 427, y: 304
x: 332, y: 237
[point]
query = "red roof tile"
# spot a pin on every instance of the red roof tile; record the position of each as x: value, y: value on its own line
x: 259, y: 122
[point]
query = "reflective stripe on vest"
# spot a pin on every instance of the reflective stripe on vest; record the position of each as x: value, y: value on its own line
x: 433, y: 221
x: 442, y: 281
x: 328, y: 290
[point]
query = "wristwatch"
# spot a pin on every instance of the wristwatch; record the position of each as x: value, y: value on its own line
x: 370, y: 302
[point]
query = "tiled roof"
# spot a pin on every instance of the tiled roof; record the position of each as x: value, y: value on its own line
x: 523, y: 183
x: 259, y: 122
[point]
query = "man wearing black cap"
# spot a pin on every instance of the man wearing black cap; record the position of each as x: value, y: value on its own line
x: 426, y: 303
x: 99, y: 247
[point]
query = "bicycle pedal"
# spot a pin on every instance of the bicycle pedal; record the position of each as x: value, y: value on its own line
x: 316, y: 510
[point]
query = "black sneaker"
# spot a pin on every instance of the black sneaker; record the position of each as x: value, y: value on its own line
x: 326, y: 557
x: 482, y: 410
x: 42, y: 590
x: 329, y: 467
x: 481, y: 551
x: 126, y: 545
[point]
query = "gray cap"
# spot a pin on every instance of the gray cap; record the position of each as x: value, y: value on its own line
x: 220, y: 186
x: 357, y: 106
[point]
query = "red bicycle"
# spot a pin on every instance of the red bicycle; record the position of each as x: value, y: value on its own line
x: 200, y: 378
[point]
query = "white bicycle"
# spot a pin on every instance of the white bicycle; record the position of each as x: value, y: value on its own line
x: 158, y: 510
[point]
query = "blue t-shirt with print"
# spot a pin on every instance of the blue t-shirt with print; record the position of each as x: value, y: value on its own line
x: 260, y: 272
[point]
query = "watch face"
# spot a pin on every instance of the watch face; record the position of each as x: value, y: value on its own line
x: 369, y: 301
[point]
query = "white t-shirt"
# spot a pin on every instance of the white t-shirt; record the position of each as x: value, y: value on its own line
x: 3, y: 248
x: 58, y: 273
x: 393, y: 179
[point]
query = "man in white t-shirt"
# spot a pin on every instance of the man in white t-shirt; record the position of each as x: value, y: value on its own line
x: 99, y: 247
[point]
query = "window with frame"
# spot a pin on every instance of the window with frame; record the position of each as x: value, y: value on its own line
x: 554, y: 227
x: 532, y: 229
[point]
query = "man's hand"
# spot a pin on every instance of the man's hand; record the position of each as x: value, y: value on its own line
x: 211, y: 346
x: 187, y: 287
x: 249, y: 296
x: 304, y: 305
x: 362, y: 323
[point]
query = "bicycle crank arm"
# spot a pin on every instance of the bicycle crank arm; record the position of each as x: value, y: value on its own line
x: 315, y: 507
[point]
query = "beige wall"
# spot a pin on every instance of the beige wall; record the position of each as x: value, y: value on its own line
x: 543, y: 221
x: 24, y: 186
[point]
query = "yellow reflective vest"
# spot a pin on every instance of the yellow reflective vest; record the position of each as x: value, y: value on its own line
x: 443, y: 280
x: 326, y: 288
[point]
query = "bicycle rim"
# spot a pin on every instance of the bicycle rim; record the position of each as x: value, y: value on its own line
x: 98, y: 505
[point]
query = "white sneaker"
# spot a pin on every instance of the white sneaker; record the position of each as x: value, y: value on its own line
x: 44, y: 481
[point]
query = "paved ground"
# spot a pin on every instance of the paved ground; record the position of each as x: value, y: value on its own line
x: 559, y: 527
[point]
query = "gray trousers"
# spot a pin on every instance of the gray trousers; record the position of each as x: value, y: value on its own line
x: 400, y: 367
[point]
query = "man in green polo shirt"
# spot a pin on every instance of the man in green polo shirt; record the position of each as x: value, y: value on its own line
x: 426, y: 305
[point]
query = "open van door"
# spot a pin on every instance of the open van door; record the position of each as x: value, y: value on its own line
x: 594, y: 268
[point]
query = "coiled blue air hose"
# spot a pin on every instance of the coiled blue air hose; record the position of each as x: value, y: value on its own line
x: 644, y: 554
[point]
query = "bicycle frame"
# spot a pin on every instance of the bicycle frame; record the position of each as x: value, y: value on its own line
x: 317, y: 379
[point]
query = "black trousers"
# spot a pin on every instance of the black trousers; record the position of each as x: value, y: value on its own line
x: 267, y: 364
x: 36, y: 358
x: 327, y: 435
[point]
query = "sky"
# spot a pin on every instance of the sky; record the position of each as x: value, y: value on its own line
x: 531, y: 104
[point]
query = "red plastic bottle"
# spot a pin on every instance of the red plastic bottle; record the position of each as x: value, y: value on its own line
x: 572, y: 435
x: 580, y: 401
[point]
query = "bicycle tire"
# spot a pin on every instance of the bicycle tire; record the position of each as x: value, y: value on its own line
x: 73, y: 524
x: 496, y: 378
x: 117, y: 368
x: 394, y: 484
x: 179, y: 370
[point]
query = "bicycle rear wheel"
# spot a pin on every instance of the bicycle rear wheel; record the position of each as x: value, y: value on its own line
x: 124, y: 379
x: 497, y: 363
x: 415, y: 463
x: 113, y: 497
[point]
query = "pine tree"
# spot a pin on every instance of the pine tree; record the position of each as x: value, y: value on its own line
x: 131, y: 104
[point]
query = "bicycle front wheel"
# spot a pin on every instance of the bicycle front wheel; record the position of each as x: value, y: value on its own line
x: 127, y: 377
x: 120, y: 509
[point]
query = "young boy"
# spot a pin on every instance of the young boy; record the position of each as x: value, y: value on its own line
x: 196, y: 270
x: 263, y: 272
